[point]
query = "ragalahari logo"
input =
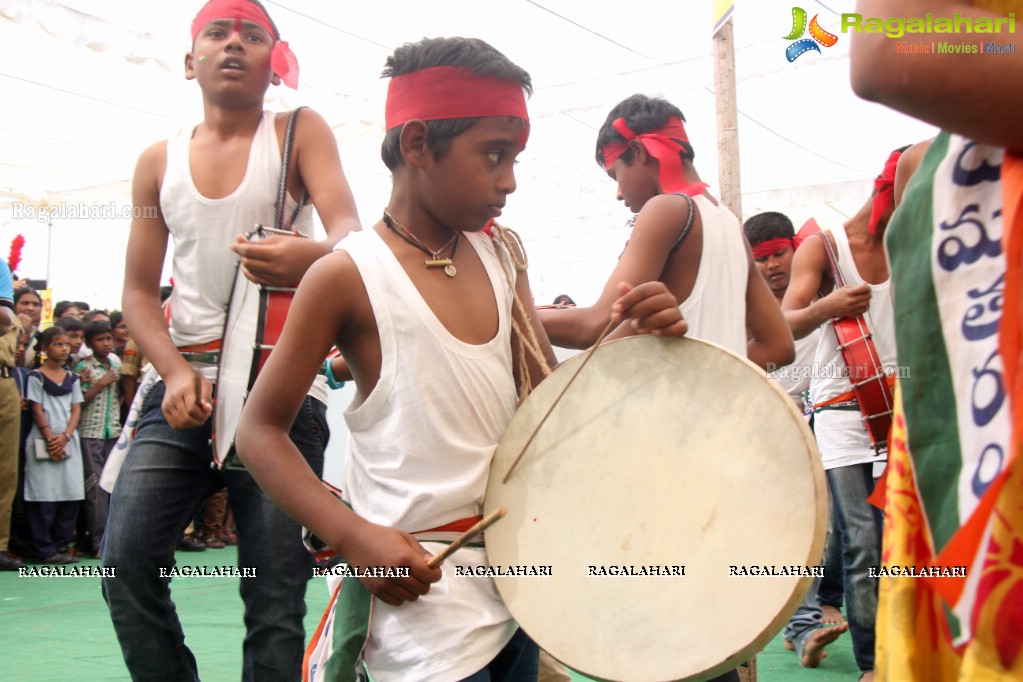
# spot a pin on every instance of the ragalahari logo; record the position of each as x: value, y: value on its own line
x: 817, y: 35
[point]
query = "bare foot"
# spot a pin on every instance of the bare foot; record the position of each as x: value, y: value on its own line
x: 868, y: 677
x: 832, y: 616
x: 789, y: 646
x: 813, y: 647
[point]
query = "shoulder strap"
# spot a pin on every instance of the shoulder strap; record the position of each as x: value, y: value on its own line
x: 282, y: 185
x: 839, y: 280
x: 689, y: 222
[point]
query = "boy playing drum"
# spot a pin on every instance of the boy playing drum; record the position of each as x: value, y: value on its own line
x: 432, y: 329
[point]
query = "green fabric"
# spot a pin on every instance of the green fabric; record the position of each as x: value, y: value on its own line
x: 933, y: 437
x: 351, y: 630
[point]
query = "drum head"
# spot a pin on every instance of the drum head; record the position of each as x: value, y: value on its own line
x: 670, y: 457
x: 234, y: 374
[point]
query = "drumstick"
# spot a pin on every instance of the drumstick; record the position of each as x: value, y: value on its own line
x: 484, y: 523
x: 198, y: 389
x: 550, y: 409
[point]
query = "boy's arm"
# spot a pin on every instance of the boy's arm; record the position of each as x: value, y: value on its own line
x: 280, y: 260
x: 907, y: 165
x: 98, y: 385
x: 802, y: 312
x: 140, y: 301
x: 657, y: 226
x: 649, y: 308
x: 976, y: 97
x: 316, y: 319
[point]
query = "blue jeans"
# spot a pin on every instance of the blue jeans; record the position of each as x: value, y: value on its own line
x: 858, y: 527
x: 518, y: 661
x: 805, y: 620
x: 830, y: 591
x: 165, y: 477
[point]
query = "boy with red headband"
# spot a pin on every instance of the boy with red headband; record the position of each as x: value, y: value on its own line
x: 441, y: 337
x: 847, y: 454
x: 774, y: 242
x: 213, y: 182
x: 682, y: 236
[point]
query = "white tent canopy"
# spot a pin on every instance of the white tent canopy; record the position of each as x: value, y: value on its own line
x: 89, y: 84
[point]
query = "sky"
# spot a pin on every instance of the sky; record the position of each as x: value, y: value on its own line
x: 97, y: 81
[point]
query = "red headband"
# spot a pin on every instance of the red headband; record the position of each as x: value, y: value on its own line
x: 884, y: 187
x: 772, y: 246
x: 282, y: 59
x: 442, y: 92
x: 664, y: 144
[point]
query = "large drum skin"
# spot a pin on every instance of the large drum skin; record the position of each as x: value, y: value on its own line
x: 670, y: 457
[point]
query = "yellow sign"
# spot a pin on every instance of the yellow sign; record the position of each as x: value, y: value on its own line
x: 722, y: 12
x: 46, y: 296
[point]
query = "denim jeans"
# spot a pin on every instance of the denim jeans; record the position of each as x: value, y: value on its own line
x: 830, y: 591
x: 805, y: 620
x: 858, y: 527
x: 518, y: 661
x: 166, y: 476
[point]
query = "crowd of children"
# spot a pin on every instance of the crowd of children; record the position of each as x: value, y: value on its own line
x: 75, y: 388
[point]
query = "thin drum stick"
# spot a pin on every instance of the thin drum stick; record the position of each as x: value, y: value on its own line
x: 197, y: 386
x: 484, y: 523
x: 550, y: 409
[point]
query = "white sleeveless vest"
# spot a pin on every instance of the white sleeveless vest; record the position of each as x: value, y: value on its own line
x: 419, y: 456
x: 716, y: 308
x: 202, y: 230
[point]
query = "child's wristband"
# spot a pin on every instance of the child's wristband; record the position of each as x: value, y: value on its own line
x: 329, y: 373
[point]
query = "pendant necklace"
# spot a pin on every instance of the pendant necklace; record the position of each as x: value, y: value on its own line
x: 434, y: 260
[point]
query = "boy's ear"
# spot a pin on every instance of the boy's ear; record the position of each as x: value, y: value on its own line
x: 275, y: 79
x: 412, y: 141
x: 639, y: 152
x: 189, y: 68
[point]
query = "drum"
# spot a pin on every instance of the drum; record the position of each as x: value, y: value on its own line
x: 872, y: 388
x: 666, y: 520
x: 255, y: 318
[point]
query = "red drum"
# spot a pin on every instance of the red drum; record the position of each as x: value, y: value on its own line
x: 871, y: 387
x: 255, y: 318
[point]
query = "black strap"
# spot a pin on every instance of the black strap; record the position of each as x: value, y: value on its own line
x: 282, y: 185
x: 689, y: 223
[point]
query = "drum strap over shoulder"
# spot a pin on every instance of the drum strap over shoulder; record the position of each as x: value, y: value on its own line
x: 513, y: 261
x: 282, y: 183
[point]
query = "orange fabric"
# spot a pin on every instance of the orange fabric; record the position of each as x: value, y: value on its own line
x: 848, y: 396
x: 914, y: 642
x: 327, y: 612
x: 459, y: 526
x: 1012, y: 309
x: 207, y: 347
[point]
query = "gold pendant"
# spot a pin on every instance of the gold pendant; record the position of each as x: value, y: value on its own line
x: 450, y: 270
x: 439, y: 263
